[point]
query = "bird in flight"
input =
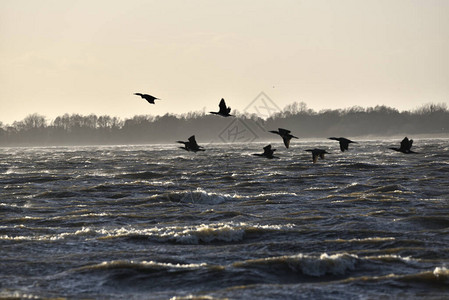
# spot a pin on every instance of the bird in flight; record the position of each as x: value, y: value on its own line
x: 267, y: 152
x: 285, y: 134
x: 317, y: 153
x: 224, y: 110
x: 406, y: 145
x: 147, y: 97
x: 191, y: 145
x: 344, y: 142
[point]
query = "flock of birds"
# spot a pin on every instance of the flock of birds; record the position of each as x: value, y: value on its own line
x: 285, y: 134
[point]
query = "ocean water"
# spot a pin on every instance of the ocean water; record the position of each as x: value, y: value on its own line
x: 157, y: 222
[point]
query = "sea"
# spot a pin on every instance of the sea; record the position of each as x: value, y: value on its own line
x: 158, y: 222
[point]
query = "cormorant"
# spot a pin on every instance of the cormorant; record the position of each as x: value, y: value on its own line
x: 406, y: 144
x: 317, y: 152
x: 267, y: 152
x: 147, y: 97
x: 285, y: 134
x: 344, y: 142
x: 191, y: 145
x: 224, y: 110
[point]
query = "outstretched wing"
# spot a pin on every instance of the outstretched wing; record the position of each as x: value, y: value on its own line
x: 344, y: 145
x: 222, y: 105
x: 283, y: 131
x: 267, y: 148
x: 405, y: 144
x: 193, y: 142
x: 286, y: 141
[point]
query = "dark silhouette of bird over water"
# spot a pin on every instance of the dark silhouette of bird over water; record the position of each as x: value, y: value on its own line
x: 317, y: 152
x: 147, y: 97
x: 267, y: 152
x: 224, y: 110
x: 191, y: 145
x: 344, y: 142
x: 405, y: 147
x: 285, y: 134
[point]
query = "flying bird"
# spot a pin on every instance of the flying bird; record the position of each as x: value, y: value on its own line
x: 317, y: 152
x: 191, y: 145
x: 224, y: 110
x: 344, y: 142
x: 285, y: 134
x: 405, y: 147
x: 267, y: 152
x: 147, y: 97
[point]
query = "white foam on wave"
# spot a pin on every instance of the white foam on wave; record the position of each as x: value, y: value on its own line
x: 441, y: 272
x: 200, y: 196
x: 203, y: 233
x: 311, y: 265
x: 363, y: 240
x: 84, y: 231
x: 336, y: 264
x: 146, y: 264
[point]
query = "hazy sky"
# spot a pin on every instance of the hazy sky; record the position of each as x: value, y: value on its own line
x: 90, y: 56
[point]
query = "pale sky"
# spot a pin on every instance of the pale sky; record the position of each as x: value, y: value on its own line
x: 90, y: 56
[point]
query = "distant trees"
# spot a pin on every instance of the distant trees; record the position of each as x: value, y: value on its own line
x: 71, y: 129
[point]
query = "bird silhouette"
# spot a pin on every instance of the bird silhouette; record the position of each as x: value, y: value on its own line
x: 224, y: 110
x: 191, y: 145
x: 147, y: 97
x: 317, y: 153
x: 267, y: 152
x: 344, y: 142
x: 285, y: 134
x: 405, y: 147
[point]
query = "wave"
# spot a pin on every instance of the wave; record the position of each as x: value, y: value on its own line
x: 216, y: 232
x: 309, y: 265
x: 198, y: 196
x: 190, y: 235
x: 145, y: 265
x: 438, y: 277
x: 140, y: 175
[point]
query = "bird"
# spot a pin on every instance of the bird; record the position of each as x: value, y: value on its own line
x: 317, y: 152
x: 285, y: 134
x: 344, y: 142
x: 267, y: 152
x: 406, y: 145
x: 224, y: 110
x: 147, y: 97
x: 191, y: 145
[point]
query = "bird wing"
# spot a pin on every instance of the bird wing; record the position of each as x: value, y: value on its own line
x: 193, y: 142
x: 222, y: 105
x: 344, y: 145
x: 405, y: 144
x: 146, y: 96
x: 192, y: 139
x: 286, y: 141
x: 267, y: 150
x: 283, y: 131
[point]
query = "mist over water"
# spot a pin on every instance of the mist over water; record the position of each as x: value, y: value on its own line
x: 157, y: 222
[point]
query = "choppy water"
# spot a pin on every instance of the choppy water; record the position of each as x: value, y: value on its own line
x: 156, y: 222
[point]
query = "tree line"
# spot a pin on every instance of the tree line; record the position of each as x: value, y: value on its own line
x: 75, y: 129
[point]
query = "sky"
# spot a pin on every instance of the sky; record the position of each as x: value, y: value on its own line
x: 91, y: 56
